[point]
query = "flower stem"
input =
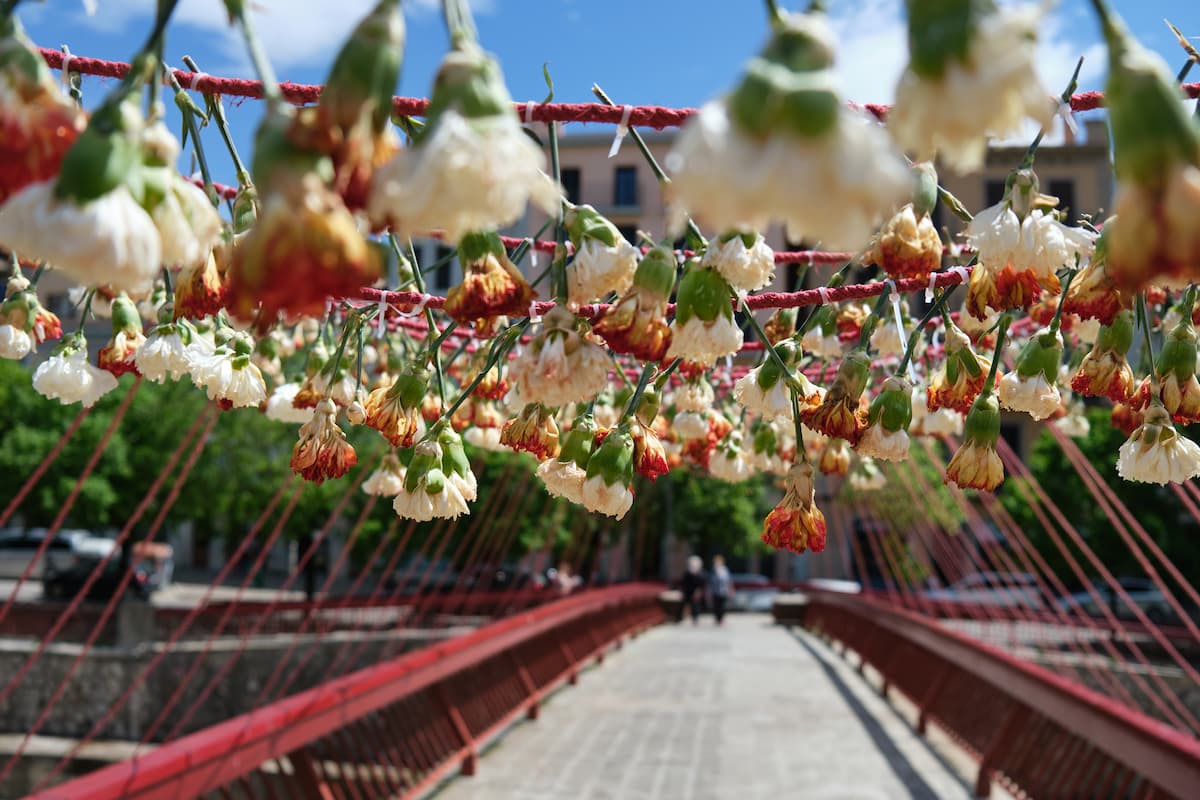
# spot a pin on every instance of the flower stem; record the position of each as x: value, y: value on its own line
x: 774, y: 15
x: 1065, y: 97
x: 502, y: 345
x: 1002, y: 330
x: 459, y: 22
x: 638, y: 392
x: 771, y: 352
x: 660, y: 380
x: 799, y: 425
x: 1062, y: 299
x: 189, y: 112
x: 216, y: 113
x: 1144, y: 321
x: 262, y: 65
x: 937, y: 308
x: 349, y: 327
x: 868, y: 328
x: 650, y: 159
x: 87, y: 310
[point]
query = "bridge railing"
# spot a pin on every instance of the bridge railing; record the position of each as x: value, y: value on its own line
x: 1032, y: 730
x: 394, y: 729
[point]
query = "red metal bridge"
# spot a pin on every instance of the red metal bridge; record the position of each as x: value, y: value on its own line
x: 389, y: 686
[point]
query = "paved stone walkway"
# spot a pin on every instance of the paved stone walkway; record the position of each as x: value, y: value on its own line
x: 698, y: 713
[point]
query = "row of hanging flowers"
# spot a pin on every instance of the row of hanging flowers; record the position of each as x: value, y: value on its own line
x: 599, y: 393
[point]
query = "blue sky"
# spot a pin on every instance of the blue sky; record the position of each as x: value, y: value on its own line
x: 668, y: 52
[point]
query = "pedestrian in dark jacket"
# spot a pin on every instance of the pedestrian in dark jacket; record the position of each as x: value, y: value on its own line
x: 693, y: 585
x: 720, y: 586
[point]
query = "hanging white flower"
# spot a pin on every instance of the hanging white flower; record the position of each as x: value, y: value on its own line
x: 729, y: 464
x: 110, y: 240
x: 473, y: 168
x: 820, y: 344
x: 229, y: 377
x: 563, y: 479
x: 484, y: 438
x: 15, y: 343
x: 387, y: 480
x: 694, y: 395
x: 188, y: 224
x: 164, y: 354
x: 559, y: 367
x: 1157, y: 453
x: 604, y: 260
x: 427, y: 494
x: 1034, y: 395
x: 746, y: 268
x: 701, y: 342
x: 878, y: 442
x: 280, y: 407
x: 951, y: 102
x: 691, y: 425
x: 68, y: 377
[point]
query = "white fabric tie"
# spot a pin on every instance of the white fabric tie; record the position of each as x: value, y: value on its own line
x: 622, y: 132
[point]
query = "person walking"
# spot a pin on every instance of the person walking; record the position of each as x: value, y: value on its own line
x: 693, y: 585
x: 720, y: 587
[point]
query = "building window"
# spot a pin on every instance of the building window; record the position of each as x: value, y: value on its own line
x: 625, y: 189
x: 570, y: 183
x: 630, y: 232
x: 444, y: 274
x: 1064, y: 190
x: 993, y: 192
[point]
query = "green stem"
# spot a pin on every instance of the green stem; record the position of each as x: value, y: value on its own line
x: 216, y: 112
x: 1002, y: 330
x: 937, y: 308
x: 87, y: 310
x: 774, y: 15
x: 661, y: 379
x: 1065, y: 97
x: 620, y: 370
x: 954, y: 204
x: 771, y: 352
x: 358, y: 363
x: 193, y: 130
x: 37, y: 273
x: 799, y: 426
x: 650, y: 159
x: 459, y: 22
x: 1062, y: 299
x: 1144, y: 322
x: 262, y: 65
x: 868, y: 328
x: 503, y: 343
x: 352, y: 324
x: 166, y: 274
x: 559, y: 263
x: 638, y: 392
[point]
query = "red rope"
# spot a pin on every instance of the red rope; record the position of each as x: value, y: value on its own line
x: 61, y: 517
x: 37, y: 474
x: 657, y: 117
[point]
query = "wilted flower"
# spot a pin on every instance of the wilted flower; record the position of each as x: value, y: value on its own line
x: 280, y: 407
x: 559, y: 366
x: 200, y: 290
x: 609, y: 475
x: 886, y: 434
x: 1032, y: 386
x: 972, y: 75
x: 976, y: 465
x: 744, y: 260
x: 1021, y: 247
x: 604, y: 261
x: 388, y: 479
x: 118, y: 356
x: 1156, y: 156
x: 322, y: 451
x: 38, y: 122
x: 703, y: 329
x: 908, y: 246
x: 472, y: 167
x: 68, y: 377
x: 764, y: 390
x: 781, y: 325
x: 1175, y: 368
x: 1157, y: 453
x: 428, y: 493
x: 564, y: 476
x: 24, y: 322
x: 534, y: 431
x: 960, y: 379
x: 1104, y: 371
x: 840, y: 416
x: 1092, y: 293
x: 491, y: 285
x: 796, y: 524
x: 636, y: 323
x: 738, y: 163
x: 835, y: 458
x: 395, y: 410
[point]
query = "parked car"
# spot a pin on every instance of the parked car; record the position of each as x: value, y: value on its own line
x: 19, y: 548
x: 61, y: 581
x: 996, y: 589
x: 752, y: 593
x: 1142, y: 591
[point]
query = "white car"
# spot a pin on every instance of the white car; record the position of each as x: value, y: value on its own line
x: 19, y: 548
x: 995, y: 589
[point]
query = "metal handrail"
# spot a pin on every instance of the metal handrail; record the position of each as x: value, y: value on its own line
x: 230, y: 751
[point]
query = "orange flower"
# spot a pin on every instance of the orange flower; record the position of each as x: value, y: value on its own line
x: 835, y: 458
x: 491, y: 284
x: 1005, y: 289
x: 649, y: 456
x: 532, y: 431
x: 781, y: 325
x: 960, y: 379
x: 1104, y: 371
x: 841, y: 414
x: 394, y: 410
x: 1092, y: 293
x: 304, y: 249
x: 908, y: 246
x: 636, y: 325
x: 127, y: 337
x: 976, y: 465
x: 199, y: 291
x: 322, y: 451
x: 796, y: 524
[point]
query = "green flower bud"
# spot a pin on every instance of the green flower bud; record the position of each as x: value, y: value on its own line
x: 648, y: 406
x: 982, y: 425
x: 125, y: 316
x: 365, y: 72
x: 926, y: 195
x: 105, y: 156
x: 1117, y: 337
x: 410, y: 386
x: 789, y: 86
x: 426, y: 463
x: 454, y: 455
x: 940, y: 31
x: 703, y: 293
x: 579, y: 442
x: 656, y: 272
x: 613, y: 460
x: 1178, y: 352
x: 585, y: 222
x: 892, y: 407
x: 1042, y: 353
x: 469, y: 82
x: 765, y: 439
x: 853, y: 373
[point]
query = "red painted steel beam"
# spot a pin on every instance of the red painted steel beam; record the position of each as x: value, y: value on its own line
x: 213, y: 757
x: 1161, y: 753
